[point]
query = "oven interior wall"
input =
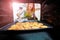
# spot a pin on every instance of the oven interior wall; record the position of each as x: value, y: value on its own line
x: 5, y: 12
x: 50, y: 13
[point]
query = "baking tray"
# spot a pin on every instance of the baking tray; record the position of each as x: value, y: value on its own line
x: 8, y: 26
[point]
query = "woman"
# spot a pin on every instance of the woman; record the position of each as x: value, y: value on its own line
x: 28, y: 14
x: 30, y: 11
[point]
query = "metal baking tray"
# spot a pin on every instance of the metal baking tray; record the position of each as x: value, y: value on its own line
x: 8, y: 26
